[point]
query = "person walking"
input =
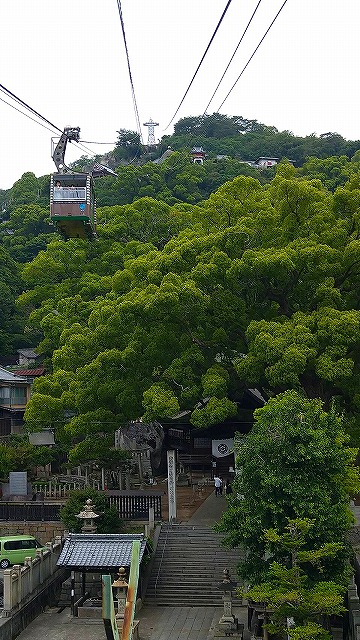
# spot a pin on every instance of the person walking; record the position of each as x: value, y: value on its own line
x: 218, y: 485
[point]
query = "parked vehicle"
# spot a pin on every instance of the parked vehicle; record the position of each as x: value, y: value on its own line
x: 14, y: 549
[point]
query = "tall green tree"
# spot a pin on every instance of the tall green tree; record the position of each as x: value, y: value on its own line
x: 128, y: 145
x: 295, y: 463
x: 290, y: 594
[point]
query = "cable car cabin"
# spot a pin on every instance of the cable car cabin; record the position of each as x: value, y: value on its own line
x: 72, y: 205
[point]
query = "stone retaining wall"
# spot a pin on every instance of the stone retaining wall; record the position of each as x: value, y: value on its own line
x: 42, y: 531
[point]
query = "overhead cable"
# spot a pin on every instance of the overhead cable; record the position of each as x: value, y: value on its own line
x: 92, y: 142
x: 37, y: 114
x: 24, y: 104
x: 200, y: 63
x: 252, y: 55
x: 27, y: 116
x: 130, y: 74
x: 232, y: 57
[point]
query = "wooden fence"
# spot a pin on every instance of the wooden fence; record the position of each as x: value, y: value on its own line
x: 29, y: 511
x: 131, y: 505
x: 134, y: 505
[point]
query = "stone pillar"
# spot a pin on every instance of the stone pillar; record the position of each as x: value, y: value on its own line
x: 171, y: 469
x: 8, y: 590
x: 151, y: 518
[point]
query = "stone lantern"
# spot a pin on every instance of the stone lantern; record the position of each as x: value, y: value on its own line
x: 88, y: 516
x: 228, y: 625
x: 120, y: 585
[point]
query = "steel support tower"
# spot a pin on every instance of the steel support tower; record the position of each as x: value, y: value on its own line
x: 151, y: 128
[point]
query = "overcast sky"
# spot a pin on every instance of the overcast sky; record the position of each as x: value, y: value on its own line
x: 67, y: 60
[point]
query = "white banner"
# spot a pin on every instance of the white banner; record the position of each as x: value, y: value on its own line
x: 222, y: 448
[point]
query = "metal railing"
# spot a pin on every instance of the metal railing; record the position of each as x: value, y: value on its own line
x: 169, y: 527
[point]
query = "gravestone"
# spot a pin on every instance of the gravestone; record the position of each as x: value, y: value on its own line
x: 18, y: 483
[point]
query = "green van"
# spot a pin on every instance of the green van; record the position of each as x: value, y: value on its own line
x: 14, y: 549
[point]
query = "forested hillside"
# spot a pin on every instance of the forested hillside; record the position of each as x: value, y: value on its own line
x: 204, y: 280
x: 247, y: 139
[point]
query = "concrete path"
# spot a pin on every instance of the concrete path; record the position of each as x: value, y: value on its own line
x: 209, y: 511
x: 156, y: 623
x: 175, y: 623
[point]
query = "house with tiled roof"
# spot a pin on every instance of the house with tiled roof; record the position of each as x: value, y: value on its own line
x: 15, y: 393
x: 27, y: 357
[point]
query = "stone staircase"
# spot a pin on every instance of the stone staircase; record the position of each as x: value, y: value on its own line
x: 188, y: 566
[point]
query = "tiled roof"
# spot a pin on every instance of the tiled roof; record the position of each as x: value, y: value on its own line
x: 7, y: 376
x: 28, y: 353
x: 99, y: 551
x: 31, y: 372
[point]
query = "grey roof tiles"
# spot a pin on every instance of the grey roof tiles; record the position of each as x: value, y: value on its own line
x: 99, y: 551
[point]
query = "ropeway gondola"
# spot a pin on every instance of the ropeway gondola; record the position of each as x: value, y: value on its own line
x: 72, y: 194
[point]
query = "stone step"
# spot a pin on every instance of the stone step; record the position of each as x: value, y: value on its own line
x: 176, y: 544
x: 188, y: 567
x: 177, y: 552
x: 196, y: 542
x: 187, y: 581
x: 211, y: 562
x: 164, y: 602
x: 194, y: 569
x: 191, y: 534
x: 206, y: 558
x: 174, y: 594
x: 203, y: 544
x: 171, y: 589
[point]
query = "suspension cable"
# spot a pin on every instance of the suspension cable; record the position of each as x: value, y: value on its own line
x: 93, y: 142
x: 232, y: 57
x: 252, y: 55
x: 37, y: 114
x: 130, y: 74
x: 200, y: 63
x: 27, y: 116
x: 24, y: 104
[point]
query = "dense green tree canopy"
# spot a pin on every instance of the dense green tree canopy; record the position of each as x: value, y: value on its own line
x: 26, y: 232
x: 256, y: 286
x: 204, y: 280
x: 295, y: 463
x: 11, y: 321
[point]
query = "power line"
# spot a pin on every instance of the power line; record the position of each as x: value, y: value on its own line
x: 129, y: 70
x: 201, y: 61
x: 232, y: 57
x: 252, y: 55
